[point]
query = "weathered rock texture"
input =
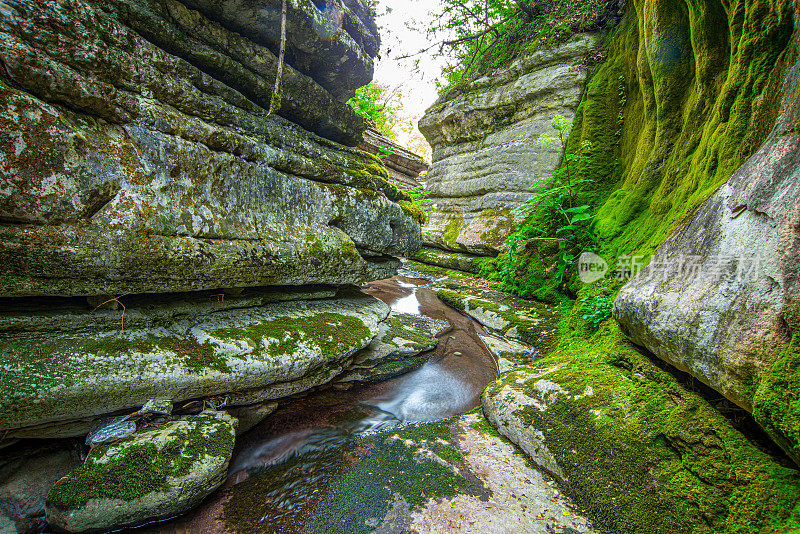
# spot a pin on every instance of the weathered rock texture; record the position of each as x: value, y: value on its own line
x: 720, y: 297
x: 161, y: 234
x: 486, y: 149
x: 139, y: 157
x: 150, y: 475
x: 404, y: 167
x: 69, y: 367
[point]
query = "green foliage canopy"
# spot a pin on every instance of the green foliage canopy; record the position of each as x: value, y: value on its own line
x: 483, y: 35
x: 373, y: 102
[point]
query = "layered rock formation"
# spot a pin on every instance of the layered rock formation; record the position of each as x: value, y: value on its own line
x: 404, y: 167
x: 140, y: 159
x: 162, y: 235
x: 487, y: 154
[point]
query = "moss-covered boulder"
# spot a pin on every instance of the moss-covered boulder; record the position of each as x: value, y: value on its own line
x: 65, y: 367
x: 635, y: 448
x: 152, y: 474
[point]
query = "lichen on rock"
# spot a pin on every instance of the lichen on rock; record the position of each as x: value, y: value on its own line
x: 150, y: 475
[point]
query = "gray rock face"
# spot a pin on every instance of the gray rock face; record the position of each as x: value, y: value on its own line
x: 27, y: 473
x: 486, y: 150
x: 719, y: 298
x: 146, y: 476
x: 69, y: 367
x: 137, y: 159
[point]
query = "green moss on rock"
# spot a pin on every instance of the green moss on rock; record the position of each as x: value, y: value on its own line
x: 686, y: 94
x: 414, y: 211
x: 776, y: 404
x: 137, y: 466
x: 334, y: 334
x: 634, y: 445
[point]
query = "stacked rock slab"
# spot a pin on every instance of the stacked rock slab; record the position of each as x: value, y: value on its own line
x: 487, y: 155
x: 162, y: 235
x: 403, y: 166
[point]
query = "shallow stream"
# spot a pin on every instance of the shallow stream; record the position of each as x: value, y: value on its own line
x: 323, y: 463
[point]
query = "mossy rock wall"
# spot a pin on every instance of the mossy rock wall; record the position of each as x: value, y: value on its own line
x: 633, y: 447
x: 487, y: 155
x: 687, y: 92
x: 139, y: 156
x: 719, y: 296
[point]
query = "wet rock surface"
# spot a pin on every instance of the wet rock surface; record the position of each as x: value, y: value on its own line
x: 399, y: 347
x: 27, y: 472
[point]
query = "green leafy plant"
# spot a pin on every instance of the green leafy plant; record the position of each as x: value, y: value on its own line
x: 599, y: 310
x: 384, y: 153
x: 374, y: 102
x: 555, y: 230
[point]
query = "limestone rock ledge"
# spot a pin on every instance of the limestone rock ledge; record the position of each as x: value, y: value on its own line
x: 64, y: 368
x: 138, y: 157
x: 486, y: 150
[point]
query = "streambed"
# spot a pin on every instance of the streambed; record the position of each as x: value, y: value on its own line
x: 393, y: 457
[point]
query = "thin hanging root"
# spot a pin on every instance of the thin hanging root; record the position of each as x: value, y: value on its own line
x: 274, y: 101
x: 114, y: 299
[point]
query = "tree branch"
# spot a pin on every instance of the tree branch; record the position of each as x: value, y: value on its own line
x: 275, y: 99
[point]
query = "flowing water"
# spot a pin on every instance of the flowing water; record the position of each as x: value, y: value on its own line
x: 322, y: 462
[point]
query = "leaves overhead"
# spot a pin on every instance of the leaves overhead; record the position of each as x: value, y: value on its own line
x: 482, y: 35
x: 374, y: 102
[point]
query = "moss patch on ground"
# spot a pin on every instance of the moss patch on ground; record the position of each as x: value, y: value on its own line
x: 349, y: 488
x: 640, y: 453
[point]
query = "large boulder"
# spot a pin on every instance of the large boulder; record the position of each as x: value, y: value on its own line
x: 487, y: 153
x: 152, y: 474
x: 720, y: 297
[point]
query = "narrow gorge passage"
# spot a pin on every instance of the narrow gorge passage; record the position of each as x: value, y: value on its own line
x: 379, y: 458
